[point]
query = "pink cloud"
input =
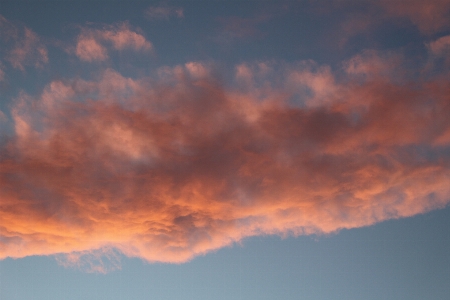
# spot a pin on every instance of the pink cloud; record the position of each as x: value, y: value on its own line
x: 92, y: 43
x: 24, y: 47
x: 440, y: 46
x: 123, y: 38
x: 176, y: 166
x: 88, y: 49
x: 198, y: 70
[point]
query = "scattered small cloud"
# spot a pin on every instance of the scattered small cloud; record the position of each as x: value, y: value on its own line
x: 93, y: 44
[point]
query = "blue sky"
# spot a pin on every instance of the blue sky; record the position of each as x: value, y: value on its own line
x: 224, y: 150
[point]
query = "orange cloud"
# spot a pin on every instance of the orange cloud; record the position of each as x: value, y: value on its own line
x: 168, y: 168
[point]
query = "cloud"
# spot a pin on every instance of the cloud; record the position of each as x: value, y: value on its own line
x: 362, y: 23
x: 439, y: 54
x: 2, y: 74
x: 23, y: 47
x: 88, y: 49
x: 429, y: 16
x: 92, y: 43
x: 440, y: 46
x: 164, y: 12
x: 177, y: 165
x: 237, y: 28
x: 3, y: 118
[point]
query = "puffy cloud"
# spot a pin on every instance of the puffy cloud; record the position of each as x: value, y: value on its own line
x: 164, y: 12
x: 198, y: 70
x: 23, y: 46
x: 175, y: 166
x: 92, y: 43
x: 88, y: 49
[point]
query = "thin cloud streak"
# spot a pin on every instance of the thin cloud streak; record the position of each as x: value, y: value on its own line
x: 178, y: 165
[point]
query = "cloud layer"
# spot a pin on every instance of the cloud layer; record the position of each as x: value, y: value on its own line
x: 180, y: 164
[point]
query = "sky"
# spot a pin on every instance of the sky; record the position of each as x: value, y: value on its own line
x: 224, y: 149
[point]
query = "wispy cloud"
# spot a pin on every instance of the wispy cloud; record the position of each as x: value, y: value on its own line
x: 2, y: 73
x: 23, y: 46
x: 363, y: 21
x: 3, y: 118
x: 429, y: 16
x: 164, y: 12
x: 174, y: 166
x: 235, y: 28
x: 93, y: 44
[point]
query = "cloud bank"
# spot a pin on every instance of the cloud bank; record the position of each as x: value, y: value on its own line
x: 180, y: 164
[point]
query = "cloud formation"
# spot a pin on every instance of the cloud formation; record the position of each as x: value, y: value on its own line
x: 92, y: 44
x: 178, y: 165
